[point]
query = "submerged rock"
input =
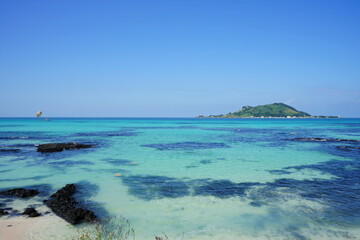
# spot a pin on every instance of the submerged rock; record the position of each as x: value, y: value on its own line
x: 255, y: 204
x: 20, y: 192
x: 347, y: 148
x: 3, y: 212
x: 186, y: 145
x: 58, y: 147
x: 31, y: 212
x: 324, y: 140
x: 63, y: 205
x: 14, y: 150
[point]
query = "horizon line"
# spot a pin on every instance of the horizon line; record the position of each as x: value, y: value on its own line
x: 180, y: 117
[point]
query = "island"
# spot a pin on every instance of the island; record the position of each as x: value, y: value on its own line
x: 274, y: 110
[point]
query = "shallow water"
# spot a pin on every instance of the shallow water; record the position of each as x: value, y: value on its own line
x: 197, y: 178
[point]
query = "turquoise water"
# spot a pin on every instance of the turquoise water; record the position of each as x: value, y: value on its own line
x: 198, y: 178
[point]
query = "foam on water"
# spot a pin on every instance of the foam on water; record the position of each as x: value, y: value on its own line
x: 201, y: 178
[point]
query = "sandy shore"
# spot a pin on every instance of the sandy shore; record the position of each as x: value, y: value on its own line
x: 15, y: 228
x: 48, y: 227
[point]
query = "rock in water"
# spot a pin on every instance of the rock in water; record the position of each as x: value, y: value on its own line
x: 31, y: 212
x: 63, y: 205
x: 58, y: 147
x: 3, y: 212
x: 20, y: 192
x: 14, y: 150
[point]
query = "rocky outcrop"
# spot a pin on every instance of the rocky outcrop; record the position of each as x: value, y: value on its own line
x: 324, y: 140
x: 64, y: 205
x: 20, y: 192
x: 58, y: 147
x: 31, y: 212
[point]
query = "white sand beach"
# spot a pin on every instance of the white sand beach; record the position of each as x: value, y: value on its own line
x: 15, y: 228
x: 43, y: 227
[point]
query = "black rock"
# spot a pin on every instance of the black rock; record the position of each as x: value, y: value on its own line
x: 3, y: 212
x: 63, y: 205
x: 58, y: 147
x: 31, y: 212
x: 20, y: 192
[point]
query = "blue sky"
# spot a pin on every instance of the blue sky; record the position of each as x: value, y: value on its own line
x: 178, y: 58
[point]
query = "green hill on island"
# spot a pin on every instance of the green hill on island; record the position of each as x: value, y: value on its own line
x: 269, y: 110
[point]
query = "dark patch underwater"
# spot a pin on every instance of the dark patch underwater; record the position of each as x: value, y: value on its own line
x: 85, y: 190
x: 116, y: 133
x: 155, y: 187
x: 340, y: 194
x: 149, y: 187
x: 69, y: 163
x: 279, y: 172
x: 117, y: 162
x: 205, y: 161
x: 24, y: 178
x: 186, y: 146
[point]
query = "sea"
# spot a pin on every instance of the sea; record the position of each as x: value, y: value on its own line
x: 192, y: 178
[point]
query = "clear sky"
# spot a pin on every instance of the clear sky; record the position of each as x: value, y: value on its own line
x: 178, y: 58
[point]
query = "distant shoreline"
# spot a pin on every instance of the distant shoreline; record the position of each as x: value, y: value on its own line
x: 274, y: 110
x: 312, y: 117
